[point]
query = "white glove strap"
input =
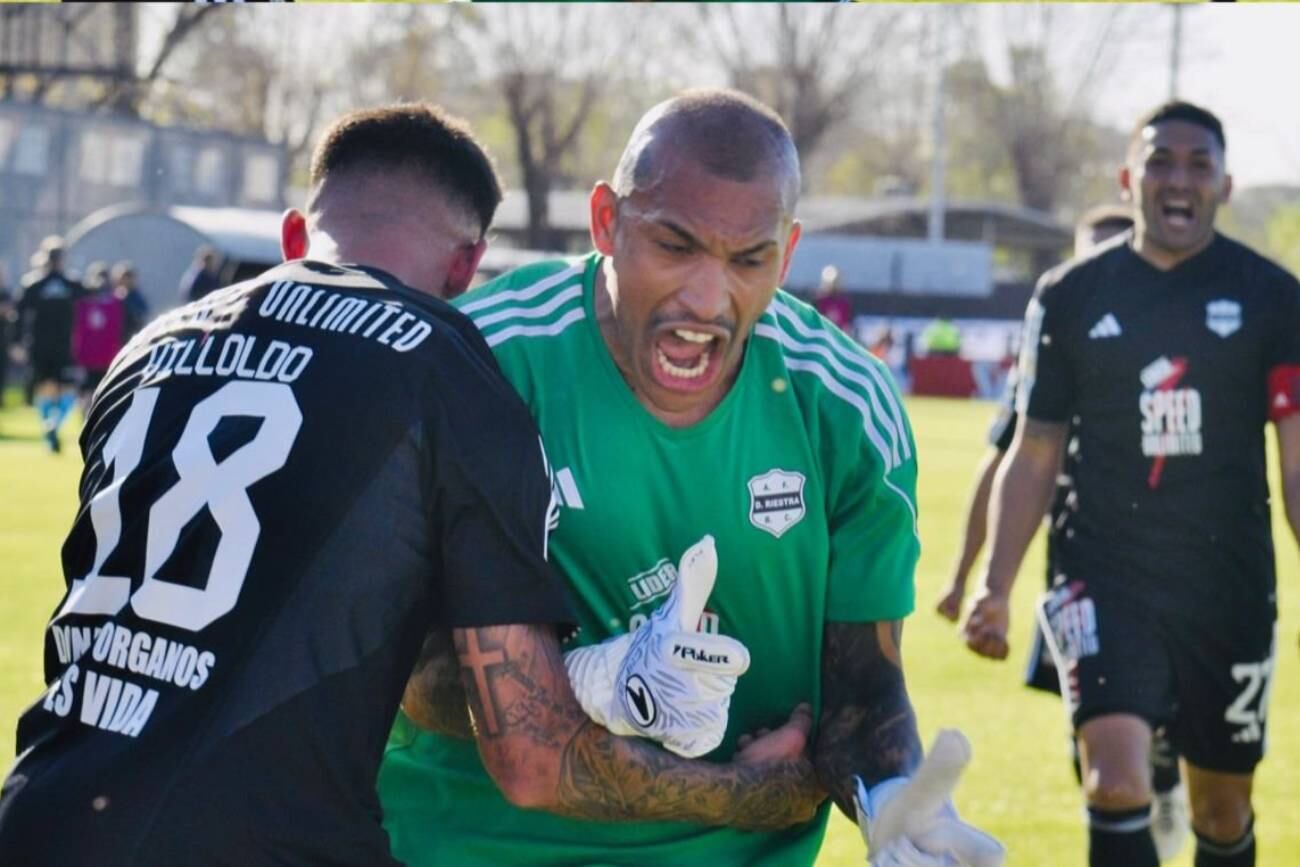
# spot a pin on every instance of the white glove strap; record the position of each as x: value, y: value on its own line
x: 871, y: 801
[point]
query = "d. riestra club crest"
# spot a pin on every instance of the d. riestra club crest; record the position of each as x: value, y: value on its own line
x: 776, y: 501
x: 1223, y: 316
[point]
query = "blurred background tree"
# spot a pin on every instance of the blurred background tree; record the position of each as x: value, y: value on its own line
x: 554, y: 91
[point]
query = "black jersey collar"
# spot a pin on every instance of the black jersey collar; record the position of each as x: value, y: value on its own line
x: 1189, y: 265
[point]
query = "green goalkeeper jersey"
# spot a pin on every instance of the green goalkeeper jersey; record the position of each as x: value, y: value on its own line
x: 805, y: 474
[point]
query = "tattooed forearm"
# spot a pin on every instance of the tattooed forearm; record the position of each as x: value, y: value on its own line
x: 868, y: 727
x: 609, y: 778
x: 546, y: 753
x: 516, y: 690
x: 434, y: 698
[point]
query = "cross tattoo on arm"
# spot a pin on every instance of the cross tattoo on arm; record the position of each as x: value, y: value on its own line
x: 544, y: 752
x: 476, y: 661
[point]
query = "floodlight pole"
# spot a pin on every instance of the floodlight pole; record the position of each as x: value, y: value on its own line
x: 938, y: 164
x: 1175, y: 51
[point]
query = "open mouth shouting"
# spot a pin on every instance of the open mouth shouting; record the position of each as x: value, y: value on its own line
x: 687, y: 358
x: 1178, y: 213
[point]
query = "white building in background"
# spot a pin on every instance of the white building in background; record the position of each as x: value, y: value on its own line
x: 57, y: 167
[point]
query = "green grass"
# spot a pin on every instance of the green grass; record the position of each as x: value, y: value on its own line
x: 38, y: 499
x: 1019, y: 787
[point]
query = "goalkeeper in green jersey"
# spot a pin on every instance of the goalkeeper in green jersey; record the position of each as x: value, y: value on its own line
x: 679, y: 394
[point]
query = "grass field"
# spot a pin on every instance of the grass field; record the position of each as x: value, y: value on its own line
x: 1020, y: 786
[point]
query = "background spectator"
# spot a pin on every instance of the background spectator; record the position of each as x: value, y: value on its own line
x: 830, y: 303
x: 97, y: 330
x: 203, y: 275
x: 135, y: 312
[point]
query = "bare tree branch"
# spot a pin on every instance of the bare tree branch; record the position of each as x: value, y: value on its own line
x: 187, y: 19
x: 552, y: 77
x: 810, y: 65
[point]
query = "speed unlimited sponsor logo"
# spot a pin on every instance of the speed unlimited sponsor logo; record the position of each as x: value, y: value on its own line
x: 1171, y: 415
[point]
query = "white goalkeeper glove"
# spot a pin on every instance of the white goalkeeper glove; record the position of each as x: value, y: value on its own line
x: 666, y: 681
x: 911, y: 821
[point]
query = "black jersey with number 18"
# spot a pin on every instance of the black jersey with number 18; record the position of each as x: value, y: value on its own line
x: 1169, y: 378
x: 288, y: 484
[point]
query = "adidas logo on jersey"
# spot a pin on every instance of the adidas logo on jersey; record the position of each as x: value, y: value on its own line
x: 1107, y: 326
x: 553, y: 507
x: 567, y: 489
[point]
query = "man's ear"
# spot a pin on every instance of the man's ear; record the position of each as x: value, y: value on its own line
x: 293, y: 235
x: 604, y: 216
x: 462, y: 267
x: 792, y: 241
x: 1125, y: 184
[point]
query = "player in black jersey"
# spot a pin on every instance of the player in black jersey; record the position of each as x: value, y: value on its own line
x: 1172, y: 349
x: 45, y: 312
x: 1094, y: 227
x: 1169, y: 813
x: 290, y: 485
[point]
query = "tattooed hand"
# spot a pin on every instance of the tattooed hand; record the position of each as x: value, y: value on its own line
x: 783, y: 752
x: 770, y: 783
x: 545, y: 753
x: 868, y: 727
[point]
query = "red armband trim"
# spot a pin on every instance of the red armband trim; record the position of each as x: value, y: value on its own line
x: 1283, y: 391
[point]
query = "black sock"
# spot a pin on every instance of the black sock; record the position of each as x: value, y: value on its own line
x: 1164, y: 777
x: 1121, y: 838
x: 1164, y: 765
x: 1239, y: 853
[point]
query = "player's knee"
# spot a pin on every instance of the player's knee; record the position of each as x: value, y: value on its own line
x: 1117, y: 788
x: 1221, y: 816
x: 1116, y: 753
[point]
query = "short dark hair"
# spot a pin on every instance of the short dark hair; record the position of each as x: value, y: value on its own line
x: 1186, y: 112
x: 728, y: 132
x: 416, y: 136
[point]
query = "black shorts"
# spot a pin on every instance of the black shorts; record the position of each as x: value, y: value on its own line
x: 53, y: 367
x: 1205, y: 679
x: 1040, y: 669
